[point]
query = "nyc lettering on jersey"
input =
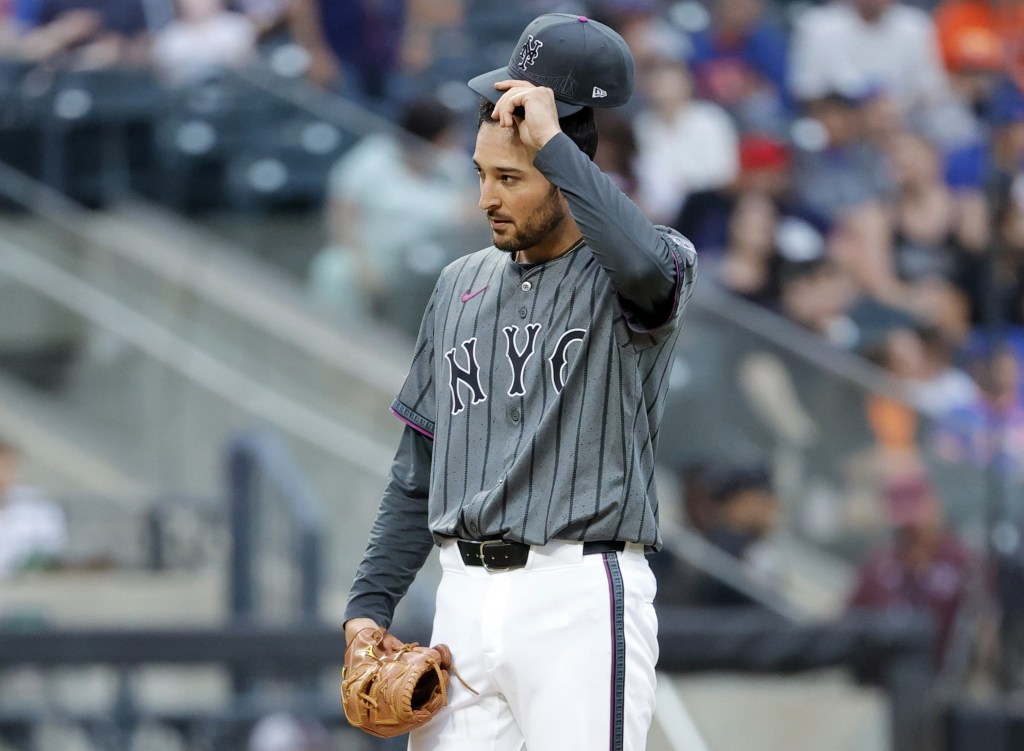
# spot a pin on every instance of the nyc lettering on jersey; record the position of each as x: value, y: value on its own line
x: 464, y: 370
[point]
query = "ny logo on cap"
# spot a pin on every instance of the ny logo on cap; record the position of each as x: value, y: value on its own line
x: 528, y: 54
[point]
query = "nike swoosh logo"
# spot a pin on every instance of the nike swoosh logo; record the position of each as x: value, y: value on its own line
x: 467, y: 296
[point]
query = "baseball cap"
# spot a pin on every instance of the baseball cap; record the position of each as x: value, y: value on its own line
x: 969, y: 36
x: 974, y: 49
x: 586, y: 63
x: 727, y: 482
x: 758, y: 152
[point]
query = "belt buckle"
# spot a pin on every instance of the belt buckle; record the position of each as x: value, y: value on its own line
x: 483, y: 559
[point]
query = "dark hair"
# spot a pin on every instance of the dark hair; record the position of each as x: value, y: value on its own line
x: 727, y: 482
x: 792, y: 271
x: 427, y: 118
x: 580, y: 126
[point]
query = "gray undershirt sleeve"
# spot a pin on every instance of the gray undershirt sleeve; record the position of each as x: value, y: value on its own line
x: 400, y: 540
x: 633, y: 252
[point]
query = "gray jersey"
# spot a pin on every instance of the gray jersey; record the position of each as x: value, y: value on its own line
x: 543, y: 398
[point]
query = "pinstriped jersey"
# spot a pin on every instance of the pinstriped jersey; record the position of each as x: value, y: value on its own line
x: 543, y: 398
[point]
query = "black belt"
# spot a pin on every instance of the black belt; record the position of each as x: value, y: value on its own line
x: 499, y: 555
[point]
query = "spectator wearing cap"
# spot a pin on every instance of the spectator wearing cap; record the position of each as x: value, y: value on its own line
x: 837, y: 167
x: 684, y: 145
x: 741, y: 510
x: 748, y: 512
x: 926, y: 569
x: 764, y: 173
x: 763, y: 167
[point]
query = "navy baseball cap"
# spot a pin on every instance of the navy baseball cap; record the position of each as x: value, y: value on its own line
x: 586, y: 63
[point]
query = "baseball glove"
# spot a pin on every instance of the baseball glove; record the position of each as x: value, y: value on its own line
x: 389, y: 687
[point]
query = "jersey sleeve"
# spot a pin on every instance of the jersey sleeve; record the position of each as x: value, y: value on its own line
x: 400, y: 540
x: 684, y: 258
x: 649, y: 267
x: 416, y: 403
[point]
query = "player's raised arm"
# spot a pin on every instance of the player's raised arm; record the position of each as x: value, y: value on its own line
x: 650, y: 267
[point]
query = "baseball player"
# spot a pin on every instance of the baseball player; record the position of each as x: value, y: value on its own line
x: 532, y: 409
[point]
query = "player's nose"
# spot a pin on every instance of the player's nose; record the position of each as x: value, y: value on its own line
x: 488, y: 200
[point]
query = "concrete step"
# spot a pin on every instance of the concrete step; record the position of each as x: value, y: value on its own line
x: 821, y: 711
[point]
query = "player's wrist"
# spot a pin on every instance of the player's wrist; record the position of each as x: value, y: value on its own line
x: 354, y: 625
x: 544, y: 137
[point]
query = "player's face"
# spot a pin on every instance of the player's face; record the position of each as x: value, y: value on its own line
x: 523, y: 208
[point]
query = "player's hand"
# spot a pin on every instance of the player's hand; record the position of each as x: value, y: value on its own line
x: 539, y: 123
x: 354, y: 625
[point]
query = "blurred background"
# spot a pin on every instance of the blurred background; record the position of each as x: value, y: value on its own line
x: 220, y: 223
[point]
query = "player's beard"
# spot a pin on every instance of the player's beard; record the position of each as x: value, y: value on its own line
x: 541, y: 222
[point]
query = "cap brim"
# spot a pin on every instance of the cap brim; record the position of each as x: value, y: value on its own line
x: 484, y: 86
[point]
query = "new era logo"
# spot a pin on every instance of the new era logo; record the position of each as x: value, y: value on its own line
x: 599, y: 93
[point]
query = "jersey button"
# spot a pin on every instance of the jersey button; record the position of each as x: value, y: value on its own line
x: 522, y: 312
x: 526, y: 286
x: 514, y: 414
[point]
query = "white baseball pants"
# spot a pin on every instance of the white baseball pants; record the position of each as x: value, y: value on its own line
x: 561, y: 651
